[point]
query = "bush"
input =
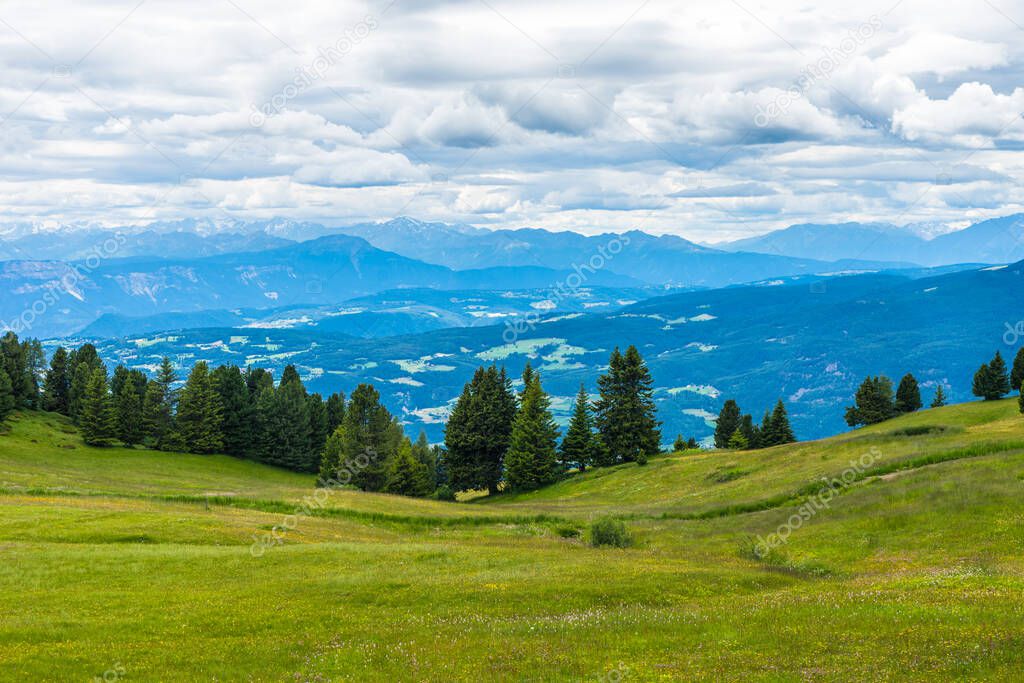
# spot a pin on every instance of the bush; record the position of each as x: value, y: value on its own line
x: 568, y: 532
x: 444, y: 492
x: 610, y: 532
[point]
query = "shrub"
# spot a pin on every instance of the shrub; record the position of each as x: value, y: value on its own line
x: 611, y: 532
x: 568, y: 532
x: 444, y: 492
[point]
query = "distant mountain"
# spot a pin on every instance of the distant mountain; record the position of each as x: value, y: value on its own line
x: 999, y: 240
x: 656, y: 260
x: 58, y: 298
x: 74, y: 245
x: 809, y: 341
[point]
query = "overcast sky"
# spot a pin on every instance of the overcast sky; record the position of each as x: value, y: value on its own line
x: 711, y: 120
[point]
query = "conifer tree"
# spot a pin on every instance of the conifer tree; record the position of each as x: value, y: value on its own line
x: 692, y: 444
x: 156, y: 416
x: 479, y: 430
x: 97, y: 421
x: 6, y: 395
x: 625, y: 410
x: 908, y: 395
x: 729, y: 420
x: 362, y: 449
x: 577, y: 448
x: 57, y: 383
x: 422, y: 451
x: 81, y: 364
x: 531, y: 461
x: 738, y: 441
x: 236, y: 425
x: 679, y: 444
x: 316, y: 412
x: 14, y: 360
x: 1017, y: 374
x: 751, y: 434
x: 199, y: 417
x: 991, y: 381
x: 940, y: 397
x: 780, y: 431
x: 291, y: 445
x: 127, y: 394
x: 873, y: 402
x: 406, y: 475
x: 335, y: 411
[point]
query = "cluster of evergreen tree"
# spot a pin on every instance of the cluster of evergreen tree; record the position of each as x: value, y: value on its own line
x: 681, y: 444
x: 737, y: 431
x: 875, y: 401
x: 369, y: 450
x: 224, y: 410
x: 493, y: 435
x: 21, y: 365
x: 992, y: 380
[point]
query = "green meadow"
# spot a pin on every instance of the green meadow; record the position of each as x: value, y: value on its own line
x: 134, y: 565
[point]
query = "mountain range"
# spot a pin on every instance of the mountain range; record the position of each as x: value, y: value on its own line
x: 807, y: 340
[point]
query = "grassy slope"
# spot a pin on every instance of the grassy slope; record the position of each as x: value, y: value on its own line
x: 912, y: 574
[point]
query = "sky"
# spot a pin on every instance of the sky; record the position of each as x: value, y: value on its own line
x: 711, y: 120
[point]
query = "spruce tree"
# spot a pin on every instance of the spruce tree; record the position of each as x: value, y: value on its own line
x: 531, y: 461
x: 577, y: 448
x: 422, y: 451
x: 316, y: 412
x: 156, y: 416
x: 81, y: 364
x: 1017, y: 374
x: 991, y: 381
x: 908, y: 395
x: 751, y: 434
x: 360, y: 452
x: 97, y: 421
x: 290, y: 445
x: 335, y: 411
x: 199, y: 417
x: 873, y: 402
x: 57, y: 383
x: 236, y: 423
x: 729, y: 420
x: 738, y: 441
x: 6, y: 395
x: 127, y: 394
x: 625, y: 410
x: 692, y: 444
x: 406, y: 475
x: 780, y: 430
x: 479, y: 430
x: 940, y: 397
x: 14, y: 360
x: 679, y: 444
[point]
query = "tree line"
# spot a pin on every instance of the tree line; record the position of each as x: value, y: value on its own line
x: 735, y: 430
x: 876, y: 402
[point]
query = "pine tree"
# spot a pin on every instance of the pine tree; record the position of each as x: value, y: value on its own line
x: 679, y: 444
x: 81, y: 364
x: 751, y: 434
x: 35, y: 360
x: 236, y: 410
x: 991, y: 381
x: 1017, y: 375
x: 940, y: 397
x: 692, y: 444
x: 156, y: 417
x: 780, y: 431
x: 14, y: 361
x: 335, y: 411
x: 625, y: 410
x: 531, y: 461
x: 316, y: 411
x: 287, y: 443
x: 422, y: 451
x: 479, y: 430
x: 738, y: 441
x: 908, y: 395
x: 873, y: 402
x: 1020, y: 398
x: 361, y: 451
x: 57, y: 384
x: 6, y: 395
x: 127, y: 395
x: 407, y: 476
x: 200, y: 414
x: 97, y: 420
x: 729, y: 420
x: 577, y: 448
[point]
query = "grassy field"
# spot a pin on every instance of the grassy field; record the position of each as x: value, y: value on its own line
x: 140, y: 566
